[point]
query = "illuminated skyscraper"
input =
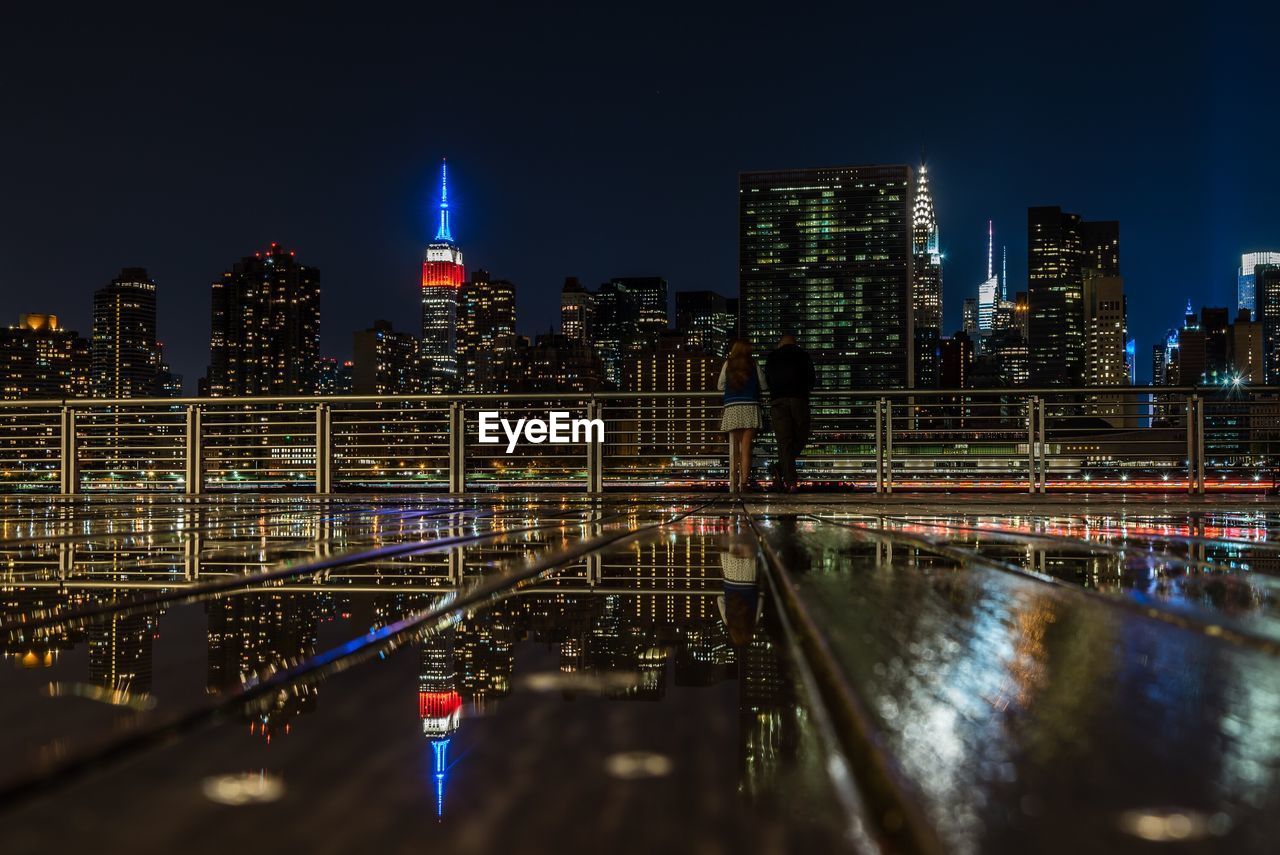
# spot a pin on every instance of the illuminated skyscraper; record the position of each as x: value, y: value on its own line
x: 265, y: 329
x: 577, y: 311
x: 926, y: 283
x: 39, y: 359
x: 706, y: 320
x: 1106, y: 331
x: 1267, y: 280
x: 439, y: 704
x: 1060, y: 248
x: 124, y: 352
x: 385, y: 362
x: 630, y: 316
x: 988, y: 291
x: 1245, y: 287
x: 486, y: 328
x: 442, y: 277
x: 826, y: 255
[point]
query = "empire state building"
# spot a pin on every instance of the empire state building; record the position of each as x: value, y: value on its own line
x: 442, y: 276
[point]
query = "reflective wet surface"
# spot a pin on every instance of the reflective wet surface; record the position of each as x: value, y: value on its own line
x: 534, y: 673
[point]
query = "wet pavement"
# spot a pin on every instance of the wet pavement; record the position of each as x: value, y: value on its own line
x: 531, y: 673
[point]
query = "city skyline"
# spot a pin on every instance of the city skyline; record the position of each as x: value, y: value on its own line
x: 351, y: 183
x: 1063, y: 248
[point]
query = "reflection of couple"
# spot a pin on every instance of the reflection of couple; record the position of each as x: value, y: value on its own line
x: 741, y: 603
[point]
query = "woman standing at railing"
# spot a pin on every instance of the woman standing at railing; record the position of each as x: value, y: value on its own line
x: 744, y: 386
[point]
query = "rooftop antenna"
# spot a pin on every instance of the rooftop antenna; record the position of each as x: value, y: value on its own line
x: 990, y: 236
x: 1004, y: 274
x: 443, y: 233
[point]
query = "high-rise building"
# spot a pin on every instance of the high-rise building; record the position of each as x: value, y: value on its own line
x: 442, y: 277
x: 969, y: 317
x: 652, y: 320
x: 1246, y: 289
x: 554, y: 363
x: 124, y: 353
x: 1267, y: 285
x: 1007, y: 350
x: 1060, y: 247
x: 1106, y: 331
x: 926, y: 272
x: 1106, y: 334
x: 265, y: 337
x: 706, y: 320
x: 630, y: 316
x: 1022, y: 314
x: 385, y: 362
x: 957, y: 361
x: 335, y: 376
x: 1246, y: 349
x: 826, y: 254
x: 486, y: 327
x: 577, y: 311
x: 988, y: 291
x: 1216, y: 325
x: 664, y: 425
x: 39, y: 360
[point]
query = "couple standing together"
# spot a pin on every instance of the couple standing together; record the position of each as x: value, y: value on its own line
x: 788, y: 377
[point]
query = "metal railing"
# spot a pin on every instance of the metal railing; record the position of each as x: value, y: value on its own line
x: 1155, y: 439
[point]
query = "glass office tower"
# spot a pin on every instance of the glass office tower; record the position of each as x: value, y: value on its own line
x: 826, y: 254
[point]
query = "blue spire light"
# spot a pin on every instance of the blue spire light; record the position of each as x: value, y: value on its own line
x: 440, y: 765
x: 443, y: 233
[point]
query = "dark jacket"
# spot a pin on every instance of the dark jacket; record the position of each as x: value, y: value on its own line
x: 789, y: 371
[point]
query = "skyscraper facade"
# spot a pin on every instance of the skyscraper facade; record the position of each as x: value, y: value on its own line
x: 926, y: 284
x: 1106, y: 331
x: 1267, y: 283
x: 124, y: 353
x: 826, y: 254
x: 706, y: 321
x: 486, y: 327
x: 630, y: 316
x: 1246, y: 289
x: 39, y: 359
x: 577, y: 311
x: 265, y: 327
x: 385, y: 362
x: 442, y: 277
x: 1060, y: 247
x: 988, y: 291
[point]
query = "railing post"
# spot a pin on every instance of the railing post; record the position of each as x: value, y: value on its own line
x: 69, y: 479
x: 323, y: 449
x: 595, y: 451
x: 1191, y: 444
x: 457, y: 448
x: 879, y: 445
x: 194, y: 475
x: 888, y: 446
x: 1042, y: 451
x: 1031, y: 444
x: 1200, y: 442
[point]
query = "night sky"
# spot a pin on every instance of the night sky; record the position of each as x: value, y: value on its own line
x: 598, y: 142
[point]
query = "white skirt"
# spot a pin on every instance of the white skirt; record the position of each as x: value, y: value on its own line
x: 739, y: 416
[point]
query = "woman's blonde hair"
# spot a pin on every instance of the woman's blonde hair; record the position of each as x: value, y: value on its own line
x: 740, y: 364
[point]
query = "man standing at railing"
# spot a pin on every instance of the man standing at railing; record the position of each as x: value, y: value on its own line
x: 789, y: 372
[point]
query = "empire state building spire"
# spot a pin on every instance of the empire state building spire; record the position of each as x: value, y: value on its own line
x: 443, y: 233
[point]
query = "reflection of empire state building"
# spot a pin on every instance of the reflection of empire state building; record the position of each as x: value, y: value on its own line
x: 442, y: 275
x: 439, y: 705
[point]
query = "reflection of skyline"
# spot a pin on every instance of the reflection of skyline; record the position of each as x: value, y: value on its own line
x: 120, y: 653
x: 253, y: 636
x: 674, y: 638
x: 439, y: 703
